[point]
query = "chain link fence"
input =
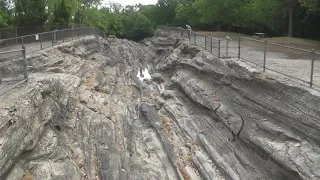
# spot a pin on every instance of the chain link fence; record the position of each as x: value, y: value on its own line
x: 40, y: 41
x: 13, y: 62
x: 13, y: 69
x: 14, y: 32
x: 300, y: 64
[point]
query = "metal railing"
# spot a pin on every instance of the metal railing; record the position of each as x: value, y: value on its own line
x: 13, y: 69
x: 13, y: 32
x: 40, y: 41
x: 13, y: 61
x: 300, y: 64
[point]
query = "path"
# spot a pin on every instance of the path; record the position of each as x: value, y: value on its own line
x: 281, y: 62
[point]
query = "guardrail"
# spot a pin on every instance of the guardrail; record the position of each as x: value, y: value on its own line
x: 13, y: 32
x: 13, y: 61
x: 300, y: 64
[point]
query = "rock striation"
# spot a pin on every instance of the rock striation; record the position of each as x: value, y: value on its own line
x: 84, y: 114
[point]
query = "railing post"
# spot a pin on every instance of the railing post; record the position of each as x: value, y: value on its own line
x: 25, y: 64
x: 55, y: 36
x: 22, y: 42
x: 211, y: 44
x: 17, y: 35
x: 205, y: 42
x: 265, y: 56
x: 219, y: 42
x: 313, y: 57
x: 40, y: 41
x: 227, y: 48
x: 239, y: 48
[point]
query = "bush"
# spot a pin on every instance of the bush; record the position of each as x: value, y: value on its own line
x: 136, y: 26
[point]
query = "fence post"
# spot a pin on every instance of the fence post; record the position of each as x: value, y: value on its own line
x: 227, y: 48
x: 52, y: 37
x: 16, y: 35
x: 25, y: 63
x: 265, y: 56
x: 219, y: 41
x: 239, y: 48
x: 211, y: 44
x: 40, y: 41
x: 63, y: 34
x: 312, y: 66
x: 22, y: 42
x: 205, y: 42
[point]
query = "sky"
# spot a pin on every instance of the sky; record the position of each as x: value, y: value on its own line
x: 131, y: 2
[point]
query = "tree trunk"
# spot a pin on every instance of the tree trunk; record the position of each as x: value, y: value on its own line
x: 290, y: 15
x: 229, y: 28
x: 219, y: 27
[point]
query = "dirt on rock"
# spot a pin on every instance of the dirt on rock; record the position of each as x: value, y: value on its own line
x: 84, y: 114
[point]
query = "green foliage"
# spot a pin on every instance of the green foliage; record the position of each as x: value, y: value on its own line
x: 30, y: 12
x: 138, y: 21
x: 81, y: 7
x: 219, y: 11
x: 123, y: 22
x: 2, y: 19
x: 136, y: 26
x: 98, y: 18
x: 150, y: 11
x: 262, y: 14
x: 166, y: 12
x: 187, y: 14
x: 312, y: 6
x: 62, y: 12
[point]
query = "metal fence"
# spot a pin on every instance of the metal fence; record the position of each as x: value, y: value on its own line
x: 300, y: 64
x: 13, y: 69
x: 13, y: 32
x: 13, y: 62
x: 40, y: 41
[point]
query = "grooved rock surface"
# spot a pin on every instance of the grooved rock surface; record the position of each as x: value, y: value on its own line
x: 85, y: 115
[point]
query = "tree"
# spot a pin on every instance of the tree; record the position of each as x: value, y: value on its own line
x: 313, y: 6
x: 166, y: 11
x: 81, y: 9
x: 98, y: 18
x: 150, y: 11
x: 219, y: 11
x: 5, y: 14
x: 136, y: 26
x: 290, y: 15
x: 262, y: 15
x: 62, y: 12
x: 186, y: 13
x: 30, y: 12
